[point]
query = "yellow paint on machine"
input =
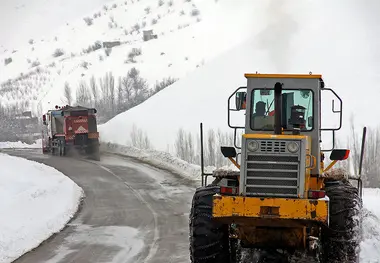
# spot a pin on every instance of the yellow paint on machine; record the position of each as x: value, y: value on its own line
x: 281, y: 208
x: 93, y: 135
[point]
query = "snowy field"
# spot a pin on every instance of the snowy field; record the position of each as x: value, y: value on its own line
x: 36, y: 201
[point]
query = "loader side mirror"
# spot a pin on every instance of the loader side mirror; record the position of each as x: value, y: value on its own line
x: 228, y: 152
x: 339, y: 154
x: 241, y: 98
x: 44, y: 119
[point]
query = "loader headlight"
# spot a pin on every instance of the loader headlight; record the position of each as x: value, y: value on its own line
x: 252, y: 146
x: 293, y: 147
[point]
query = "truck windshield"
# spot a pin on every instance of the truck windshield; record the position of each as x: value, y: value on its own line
x: 262, y: 108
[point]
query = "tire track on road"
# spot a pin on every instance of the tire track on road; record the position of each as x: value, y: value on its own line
x: 153, y: 246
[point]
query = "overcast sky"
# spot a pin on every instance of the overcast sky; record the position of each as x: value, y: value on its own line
x: 25, y: 19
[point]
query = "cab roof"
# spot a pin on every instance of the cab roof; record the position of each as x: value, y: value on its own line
x: 283, y: 76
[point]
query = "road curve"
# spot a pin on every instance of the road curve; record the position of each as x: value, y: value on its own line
x: 132, y: 212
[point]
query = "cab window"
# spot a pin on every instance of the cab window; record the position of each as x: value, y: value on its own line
x: 300, y: 102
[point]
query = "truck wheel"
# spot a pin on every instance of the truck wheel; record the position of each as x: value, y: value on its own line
x: 62, y: 150
x: 341, y: 240
x: 209, y: 240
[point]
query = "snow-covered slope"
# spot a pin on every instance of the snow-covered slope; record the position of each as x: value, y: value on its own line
x: 36, y: 201
x: 292, y: 37
x: 29, y: 18
x: 189, y: 33
x: 201, y: 97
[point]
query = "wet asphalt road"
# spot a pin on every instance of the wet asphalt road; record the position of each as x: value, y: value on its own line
x: 132, y: 212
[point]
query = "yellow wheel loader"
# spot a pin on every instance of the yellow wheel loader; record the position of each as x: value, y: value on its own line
x: 281, y: 203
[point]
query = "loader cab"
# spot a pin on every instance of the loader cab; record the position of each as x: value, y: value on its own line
x: 279, y: 111
x: 299, y: 104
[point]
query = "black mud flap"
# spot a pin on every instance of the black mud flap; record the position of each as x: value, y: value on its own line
x: 93, y: 150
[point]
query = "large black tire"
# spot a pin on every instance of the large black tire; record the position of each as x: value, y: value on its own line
x: 209, y: 240
x: 61, y: 149
x: 341, y: 241
x: 235, y: 251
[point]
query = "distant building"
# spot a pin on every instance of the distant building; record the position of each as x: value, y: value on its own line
x: 111, y: 44
x: 148, y: 35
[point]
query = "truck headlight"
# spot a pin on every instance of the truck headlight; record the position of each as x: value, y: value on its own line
x: 252, y: 146
x: 293, y: 147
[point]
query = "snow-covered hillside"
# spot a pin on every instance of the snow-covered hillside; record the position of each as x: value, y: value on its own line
x: 36, y: 201
x: 291, y: 37
x: 189, y: 33
x: 29, y: 18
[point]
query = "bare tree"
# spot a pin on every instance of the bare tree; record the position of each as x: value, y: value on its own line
x: 221, y: 140
x: 94, y: 91
x: 140, y: 139
x: 83, y: 95
x: 370, y: 168
x: 68, y: 94
x: 120, y: 95
x: 112, y: 93
x: 128, y: 89
x: 147, y: 144
x: 191, y: 154
x: 354, y: 145
x: 211, y: 147
x: 164, y: 83
x: 180, y: 146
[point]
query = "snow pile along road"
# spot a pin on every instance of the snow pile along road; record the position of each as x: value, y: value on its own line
x: 370, y: 245
x: 159, y: 159
x: 19, y: 144
x: 36, y: 201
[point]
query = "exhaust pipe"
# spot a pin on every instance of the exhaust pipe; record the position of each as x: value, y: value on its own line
x: 278, y: 108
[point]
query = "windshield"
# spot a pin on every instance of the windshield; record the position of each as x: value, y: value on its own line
x: 300, y: 102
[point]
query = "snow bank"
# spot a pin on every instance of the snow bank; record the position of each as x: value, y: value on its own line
x: 36, y: 201
x: 19, y: 144
x: 370, y: 245
x: 163, y: 160
x: 159, y: 159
